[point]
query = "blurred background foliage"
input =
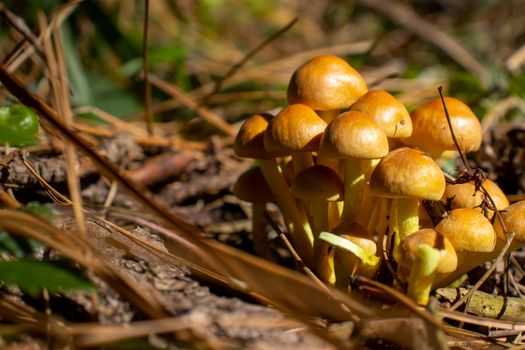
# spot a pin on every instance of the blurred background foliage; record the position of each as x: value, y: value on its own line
x: 193, y: 44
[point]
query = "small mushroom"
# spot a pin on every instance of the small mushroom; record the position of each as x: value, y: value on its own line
x: 296, y: 130
x: 392, y: 116
x: 423, y: 255
x: 473, y: 237
x: 358, y: 141
x: 251, y: 186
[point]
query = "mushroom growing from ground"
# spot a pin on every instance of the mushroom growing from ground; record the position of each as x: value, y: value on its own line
x: 357, y: 140
x: 249, y: 143
x: 406, y: 176
x: 327, y: 84
x: 514, y: 219
x: 388, y: 112
x: 392, y: 116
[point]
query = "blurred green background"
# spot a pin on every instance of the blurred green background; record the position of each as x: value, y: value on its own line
x: 193, y: 44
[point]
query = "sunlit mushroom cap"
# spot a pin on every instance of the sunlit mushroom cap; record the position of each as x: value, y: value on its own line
x: 387, y: 111
x: 318, y: 183
x: 514, y: 219
x: 249, y: 140
x: 408, y: 173
x: 326, y: 82
x: 354, y: 135
x: 468, y: 231
x: 297, y: 128
x: 431, y: 132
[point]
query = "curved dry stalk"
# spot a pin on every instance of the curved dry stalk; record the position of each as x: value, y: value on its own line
x: 473, y: 173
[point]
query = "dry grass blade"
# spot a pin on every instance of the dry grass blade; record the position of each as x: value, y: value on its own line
x: 145, y: 61
x: 290, y: 291
x: 59, y: 16
x: 75, y: 248
x: 20, y: 26
x: 54, y: 53
x: 94, y: 335
x: 185, y: 99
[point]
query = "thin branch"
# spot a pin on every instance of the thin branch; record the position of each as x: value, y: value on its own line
x: 414, y: 23
x: 236, y: 67
x: 20, y: 26
x: 456, y: 143
x: 189, y: 102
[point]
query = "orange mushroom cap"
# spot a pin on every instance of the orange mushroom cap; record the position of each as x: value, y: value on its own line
x: 431, y: 132
x: 406, y: 173
x: 326, y: 82
x: 387, y: 111
x: 468, y: 231
x: 354, y: 135
x: 297, y: 128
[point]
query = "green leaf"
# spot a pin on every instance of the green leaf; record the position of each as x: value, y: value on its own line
x: 112, y: 98
x: 33, y: 276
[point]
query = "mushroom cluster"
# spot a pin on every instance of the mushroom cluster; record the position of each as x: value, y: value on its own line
x: 350, y: 169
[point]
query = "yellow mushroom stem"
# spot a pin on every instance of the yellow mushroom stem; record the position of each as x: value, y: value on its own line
x: 404, y: 220
x: 322, y: 261
x: 301, y: 161
x: 296, y: 220
x: 356, y: 172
